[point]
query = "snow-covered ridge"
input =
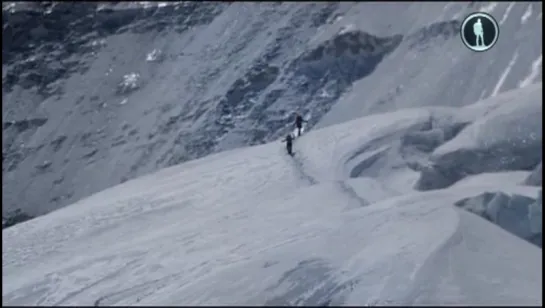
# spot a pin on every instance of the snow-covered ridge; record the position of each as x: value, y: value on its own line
x: 254, y: 226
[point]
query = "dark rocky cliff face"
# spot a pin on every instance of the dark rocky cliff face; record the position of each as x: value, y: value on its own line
x: 95, y: 94
x: 38, y: 41
x: 44, y: 45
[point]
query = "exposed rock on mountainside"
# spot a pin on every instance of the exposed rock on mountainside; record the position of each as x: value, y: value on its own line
x: 14, y: 218
x: 42, y: 45
x: 69, y: 71
x: 95, y: 94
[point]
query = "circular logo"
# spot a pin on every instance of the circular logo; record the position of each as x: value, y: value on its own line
x: 479, y: 31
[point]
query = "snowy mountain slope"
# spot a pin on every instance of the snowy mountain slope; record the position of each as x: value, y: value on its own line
x: 99, y: 93
x: 431, y: 67
x: 498, y: 130
x: 507, y: 138
x: 135, y: 116
x: 255, y: 226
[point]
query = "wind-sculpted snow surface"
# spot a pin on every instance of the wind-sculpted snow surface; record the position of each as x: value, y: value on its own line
x: 95, y: 94
x: 507, y: 138
x: 337, y: 224
x: 517, y: 214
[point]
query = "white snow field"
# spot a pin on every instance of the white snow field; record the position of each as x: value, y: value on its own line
x: 338, y: 224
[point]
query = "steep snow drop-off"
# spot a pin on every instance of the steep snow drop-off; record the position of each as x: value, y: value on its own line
x: 338, y: 224
x: 95, y: 94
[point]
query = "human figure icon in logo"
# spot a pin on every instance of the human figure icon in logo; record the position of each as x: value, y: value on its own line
x: 479, y: 33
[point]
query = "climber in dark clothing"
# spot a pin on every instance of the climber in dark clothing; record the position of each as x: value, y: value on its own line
x: 299, y: 123
x: 289, y: 143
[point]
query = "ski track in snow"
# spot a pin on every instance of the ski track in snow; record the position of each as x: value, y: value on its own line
x: 503, y: 76
x: 526, y: 15
x: 344, y: 187
x: 534, y: 73
x: 507, y: 11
